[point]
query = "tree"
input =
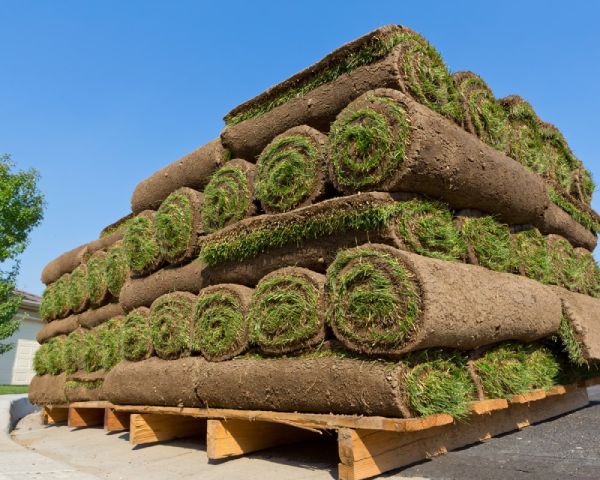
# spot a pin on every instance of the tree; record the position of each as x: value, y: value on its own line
x: 21, y: 209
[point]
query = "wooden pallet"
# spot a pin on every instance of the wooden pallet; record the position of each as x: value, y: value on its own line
x: 367, y: 446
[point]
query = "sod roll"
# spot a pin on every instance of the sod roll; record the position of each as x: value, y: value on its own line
x: 173, y: 382
x: 172, y: 325
x: 220, y: 320
x: 583, y: 186
x: 564, y: 259
x: 386, y: 141
x: 77, y: 290
x: 96, y: 284
x: 589, y: 271
x: 178, y: 224
x: 392, y: 56
x: 73, y: 351
x: 557, y: 221
x: 136, y: 335
x: 291, y: 170
x: 582, y: 330
x: 60, y: 294
x: 141, y: 247
x: 229, y: 196
x: 287, y: 313
x: 489, y: 243
x: 70, y: 260
x: 117, y: 269
x: 560, y: 158
x: 383, y: 301
x: 82, y: 386
x: 91, y: 353
x: 47, y: 390
x: 118, y: 225
x: 482, y: 114
x: 533, y: 254
x: 142, y: 291
x: 47, y: 308
x: 110, y: 343
x: 58, y: 327
x: 94, y: 317
x: 192, y: 171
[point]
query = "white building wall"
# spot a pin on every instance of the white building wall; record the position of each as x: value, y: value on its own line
x: 16, y: 366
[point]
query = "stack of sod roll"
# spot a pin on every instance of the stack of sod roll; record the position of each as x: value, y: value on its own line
x: 372, y: 236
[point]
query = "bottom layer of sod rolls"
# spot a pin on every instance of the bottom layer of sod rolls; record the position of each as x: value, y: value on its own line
x: 136, y: 335
x: 171, y: 325
x: 288, y: 311
x: 221, y: 321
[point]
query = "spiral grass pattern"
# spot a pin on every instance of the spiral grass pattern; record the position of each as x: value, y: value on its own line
x: 47, y: 308
x: 54, y: 356
x: 141, y: 248
x: 109, y: 343
x: 73, y: 352
x: 116, y: 268
x: 77, y: 291
x: 220, y: 324
x: 227, y: 198
x: 533, y: 252
x: 171, y: 325
x: 374, y: 301
x: 96, y: 278
x: 488, y: 118
x: 136, y: 335
x: 91, y: 354
x: 367, y: 141
x: 286, y: 312
x: 428, y: 78
x: 288, y: 172
x: 491, y: 243
x: 428, y: 229
x: 440, y: 385
x: 60, y: 294
x: 174, y: 223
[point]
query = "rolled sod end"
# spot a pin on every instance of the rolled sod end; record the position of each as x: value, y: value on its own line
x: 373, y: 299
x: 110, y: 343
x: 54, y: 355
x: 512, y: 368
x: 96, y: 279
x: 290, y: 170
x: 220, y: 321
x: 567, y: 267
x: 60, y: 293
x: 560, y: 158
x: 287, y: 313
x: 429, y: 229
x: 136, y: 335
x: 116, y: 268
x: 440, y: 384
x: 367, y: 143
x: 427, y: 77
x: 489, y: 243
x: 73, y: 352
x: 533, y: 253
x: 483, y: 115
x: 40, y: 366
x: 47, y: 310
x: 229, y: 196
x: 141, y: 248
x: 77, y: 291
x: 178, y: 223
x: 171, y: 323
x: 91, y: 359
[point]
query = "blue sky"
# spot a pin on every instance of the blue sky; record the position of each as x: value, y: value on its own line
x: 99, y: 95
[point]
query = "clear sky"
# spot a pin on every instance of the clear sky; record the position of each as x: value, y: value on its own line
x: 97, y: 95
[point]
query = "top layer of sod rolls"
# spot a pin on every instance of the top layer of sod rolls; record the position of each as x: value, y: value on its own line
x: 374, y: 299
x: 367, y: 143
x: 290, y: 170
x: 229, y: 195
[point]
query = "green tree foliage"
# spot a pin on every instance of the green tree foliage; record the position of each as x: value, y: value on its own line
x: 21, y: 209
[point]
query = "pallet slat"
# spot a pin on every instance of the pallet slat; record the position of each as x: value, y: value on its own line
x: 85, y: 417
x: 115, y: 421
x: 150, y: 428
x: 53, y: 415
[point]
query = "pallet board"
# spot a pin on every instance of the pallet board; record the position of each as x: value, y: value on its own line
x: 367, y: 446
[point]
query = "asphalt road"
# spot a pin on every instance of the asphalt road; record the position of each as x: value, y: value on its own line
x: 564, y: 447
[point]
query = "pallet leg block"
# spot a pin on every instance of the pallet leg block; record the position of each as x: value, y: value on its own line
x: 151, y: 427
x: 366, y: 453
x: 51, y: 416
x: 85, y: 417
x: 115, y: 421
x: 228, y: 438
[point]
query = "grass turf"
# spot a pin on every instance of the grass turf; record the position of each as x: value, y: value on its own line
x: 90, y: 351
x: 219, y: 326
x: 287, y: 171
x: 534, y: 256
x: 116, y: 269
x: 136, y: 337
x: 225, y: 198
x: 423, y: 68
x: 96, y: 278
x: 140, y: 244
x: 174, y: 225
x: 13, y: 389
x: 73, y: 352
x: 373, y: 300
x: 60, y: 295
x: 47, y: 308
x: 491, y: 243
x: 285, y: 313
x: 77, y: 290
x: 171, y: 327
x: 109, y: 344
x: 368, y: 143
